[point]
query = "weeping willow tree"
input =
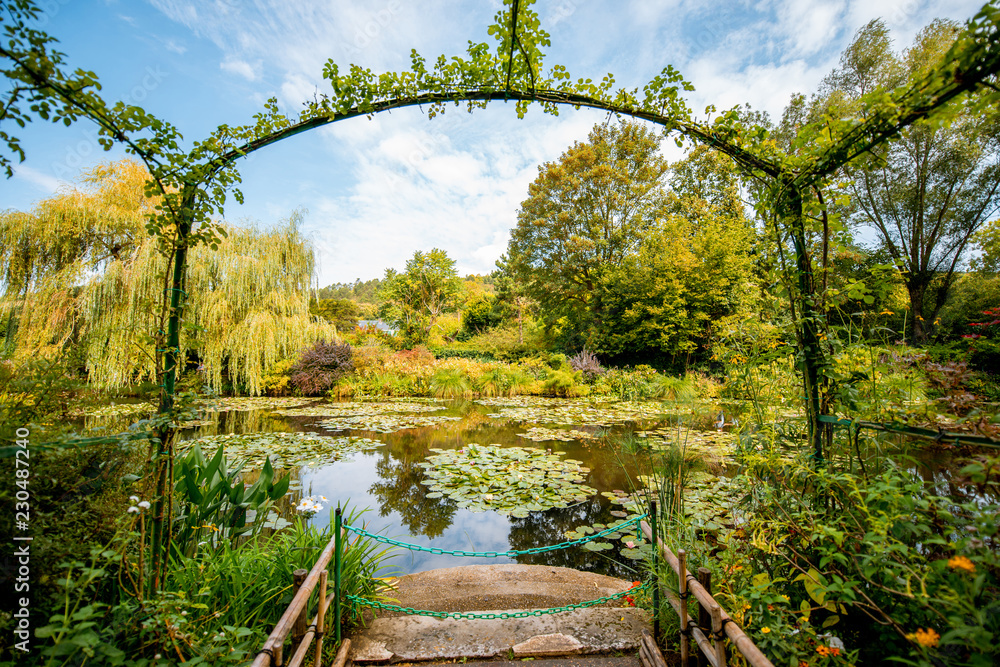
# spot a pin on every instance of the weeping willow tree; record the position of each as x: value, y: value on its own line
x: 81, y: 272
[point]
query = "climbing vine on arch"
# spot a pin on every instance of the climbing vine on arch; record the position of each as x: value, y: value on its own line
x: 194, y: 181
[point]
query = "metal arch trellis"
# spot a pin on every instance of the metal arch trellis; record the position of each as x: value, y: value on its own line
x: 973, y: 59
x: 202, y: 175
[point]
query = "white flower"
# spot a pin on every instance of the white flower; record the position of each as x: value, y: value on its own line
x: 323, y: 498
x: 144, y: 504
x: 134, y: 499
x: 317, y: 507
x: 133, y: 509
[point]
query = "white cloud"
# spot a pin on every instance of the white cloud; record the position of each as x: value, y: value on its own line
x: 174, y: 47
x: 239, y: 67
x: 42, y: 181
x: 404, y: 184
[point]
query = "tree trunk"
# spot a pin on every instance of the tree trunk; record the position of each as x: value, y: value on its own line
x: 917, y: 290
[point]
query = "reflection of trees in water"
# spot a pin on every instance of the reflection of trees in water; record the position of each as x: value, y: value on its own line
x: 543, y: 529
x: 400, y: 490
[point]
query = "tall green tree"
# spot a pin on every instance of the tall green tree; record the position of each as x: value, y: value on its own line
x: 692, y: 269
x: 927, y: 193
x: 428, y: 287
x: 585, y: 213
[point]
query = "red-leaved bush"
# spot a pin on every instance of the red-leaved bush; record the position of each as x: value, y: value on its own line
x: 320, y: 366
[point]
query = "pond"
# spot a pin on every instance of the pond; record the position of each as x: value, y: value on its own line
x: 398, y: 458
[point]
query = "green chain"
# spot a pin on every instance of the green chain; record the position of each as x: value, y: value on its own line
x: 375, y: 604
x: 493, y: 554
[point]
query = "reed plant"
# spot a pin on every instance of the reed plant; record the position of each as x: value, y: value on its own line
x: 450, y: 383
x: 250, y: 585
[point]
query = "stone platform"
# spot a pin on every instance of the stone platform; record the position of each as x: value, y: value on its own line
x: 394, y: 637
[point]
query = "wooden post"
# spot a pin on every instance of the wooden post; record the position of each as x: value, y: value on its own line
x: 704, y: 619
x: 301, y: 621
x: 740, y: 640
x: 321, y: 618
x: 654, y: 522
x: 685, y: 648
x: 718, y: 637
x: 705, y: 579
x: 337, y: 523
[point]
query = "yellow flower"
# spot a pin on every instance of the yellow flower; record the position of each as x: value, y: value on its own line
x: 961, y: 563
x: 765, y: 630
x: 927, y: 637
x: 887, y: 312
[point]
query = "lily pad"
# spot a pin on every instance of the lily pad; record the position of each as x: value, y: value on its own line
x: 358, y: 409
x: 115, y: 410
x: 284, y: 449
x: 506, y: 479
x: 541, y: 434
x: 245, y: 403
x: 382, y: 423
x: 573, y: 412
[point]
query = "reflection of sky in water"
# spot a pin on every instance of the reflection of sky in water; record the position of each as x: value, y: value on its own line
x: 452, y: 528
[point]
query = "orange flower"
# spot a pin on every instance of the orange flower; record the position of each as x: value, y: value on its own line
x: 636, y: 584
x: 803, y: 663
x: 928, y: 637
x: 834, y: 651
x: 961, y: 563
x: 823, y: 651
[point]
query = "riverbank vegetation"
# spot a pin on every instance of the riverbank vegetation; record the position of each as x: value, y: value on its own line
x: 626, y: 278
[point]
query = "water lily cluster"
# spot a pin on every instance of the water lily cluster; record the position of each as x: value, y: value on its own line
x: 509, y: 480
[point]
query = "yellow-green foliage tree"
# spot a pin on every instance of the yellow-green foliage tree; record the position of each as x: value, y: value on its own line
x: 691, y: 270
x: 82, y: 272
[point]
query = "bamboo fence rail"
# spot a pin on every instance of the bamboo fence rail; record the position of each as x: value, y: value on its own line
x: 293, y: 621
x: 722, y: 625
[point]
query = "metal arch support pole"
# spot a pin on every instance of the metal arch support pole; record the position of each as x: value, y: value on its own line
x: 654, y: 522
x: 336, y: 574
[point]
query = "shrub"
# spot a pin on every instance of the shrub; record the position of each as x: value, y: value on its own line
x: 627, y: 384
x: 507, y: 342
x: 320, y: 366
x: 480, y: 315
x: 277, y: 381
x: 564, y: 383
x: 586, y: 362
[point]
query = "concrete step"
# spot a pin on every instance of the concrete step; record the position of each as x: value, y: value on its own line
x: 569, y: 661
x: 509, y: 586
x: 496, y: 589
x: 581, y: 631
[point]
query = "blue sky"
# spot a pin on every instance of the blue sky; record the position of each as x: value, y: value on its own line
x: 374, y: 191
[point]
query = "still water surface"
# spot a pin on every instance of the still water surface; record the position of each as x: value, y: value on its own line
x: 387, y: 481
